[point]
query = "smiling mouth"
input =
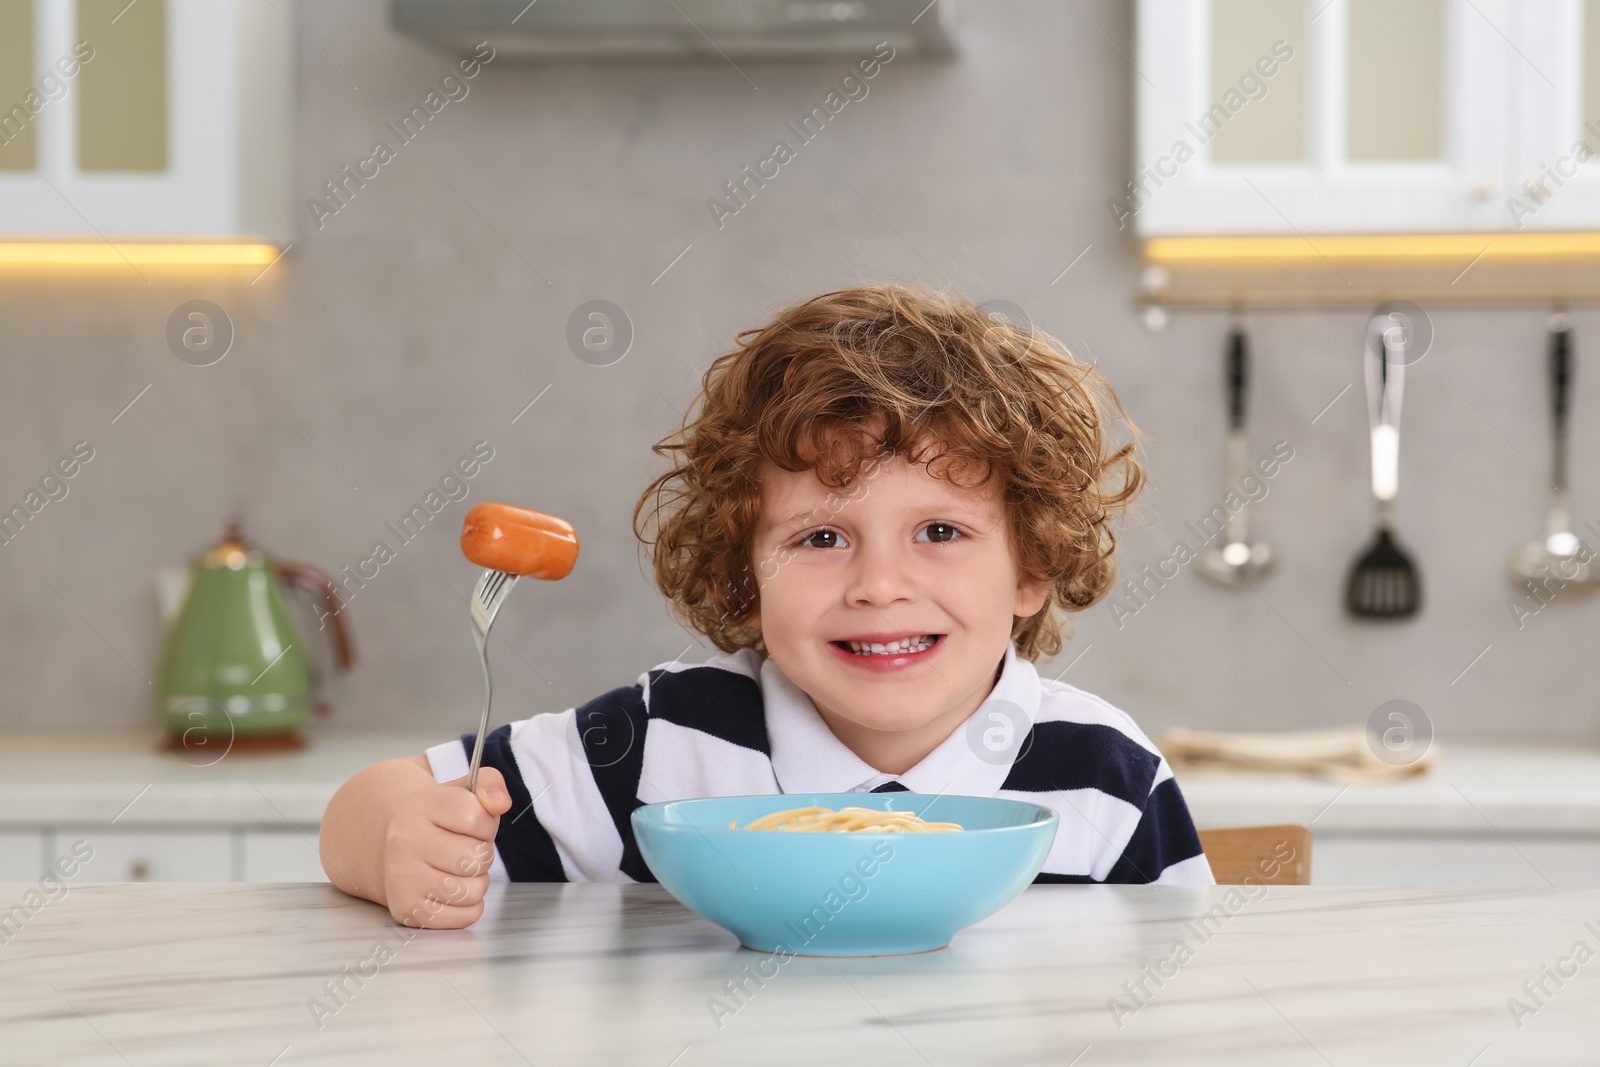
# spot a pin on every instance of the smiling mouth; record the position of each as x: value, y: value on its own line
x: 904, y: 646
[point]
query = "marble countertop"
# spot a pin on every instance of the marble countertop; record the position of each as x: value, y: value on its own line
x: 121, y: 974
x: 54, y: 779
x: 1472, y: 788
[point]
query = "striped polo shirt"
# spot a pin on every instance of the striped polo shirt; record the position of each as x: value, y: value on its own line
x: 736, y: 725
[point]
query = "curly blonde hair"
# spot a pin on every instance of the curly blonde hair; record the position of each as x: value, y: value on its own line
x: 944, y: 381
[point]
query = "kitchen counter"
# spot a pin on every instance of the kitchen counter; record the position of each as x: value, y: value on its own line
x: 52, y: 779
x: 1485, y: 816
x: 1472, y: 788
x: 622, y: 974
x: 49, y: 778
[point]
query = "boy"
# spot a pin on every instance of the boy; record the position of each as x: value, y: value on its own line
x: 856, y: 655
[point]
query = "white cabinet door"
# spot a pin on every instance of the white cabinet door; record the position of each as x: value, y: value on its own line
x: 168, y: 120
x: 149, y: 855
x: 1334, y: 116
x: 281, y: 856
x: 21, y: 856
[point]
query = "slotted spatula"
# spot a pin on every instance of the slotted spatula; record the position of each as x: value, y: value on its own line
x: 1384, y: 583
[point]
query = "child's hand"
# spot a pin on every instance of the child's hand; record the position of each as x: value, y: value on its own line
x: 437, y: 850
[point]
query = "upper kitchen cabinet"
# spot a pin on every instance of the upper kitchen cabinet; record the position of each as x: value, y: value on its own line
x: 1323, y: 116
x: 1409, y: 139
x: 153, y: 130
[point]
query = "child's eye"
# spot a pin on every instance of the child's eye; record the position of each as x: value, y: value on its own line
x: 809, y: 540
x: 948, y: 533
x: 828, y: 538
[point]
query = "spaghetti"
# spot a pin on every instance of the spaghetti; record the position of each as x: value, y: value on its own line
x: 846, y: 820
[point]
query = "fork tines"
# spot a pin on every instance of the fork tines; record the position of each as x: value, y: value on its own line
x: 487, y: 595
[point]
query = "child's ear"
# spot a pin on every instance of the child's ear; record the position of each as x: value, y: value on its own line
x: 1030, y: 598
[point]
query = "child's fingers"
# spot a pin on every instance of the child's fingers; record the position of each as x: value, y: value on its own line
x: 448, y: 917
x: 432, y: 891
x: 453, y: 808
x: 492, y: 794
x: 492, y: 791
x: 437, y: 851
x: 451, y: 853
x: 439, y: 870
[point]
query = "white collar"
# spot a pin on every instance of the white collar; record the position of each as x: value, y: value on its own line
x: 808, y: 758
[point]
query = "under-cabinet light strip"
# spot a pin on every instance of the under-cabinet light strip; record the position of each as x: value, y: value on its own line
x: 1371, y: 247
x: 138, y: 253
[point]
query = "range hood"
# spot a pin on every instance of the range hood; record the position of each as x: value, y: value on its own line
x: 696, y: 30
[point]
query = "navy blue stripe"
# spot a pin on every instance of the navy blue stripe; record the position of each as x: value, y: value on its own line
x: 1074, y: 755
x: 1165, y: 835
x: 1063, y: 879
x: 633, y: 864
x: 611, y: 730
x: 523, y: 842
x: 713, y: 700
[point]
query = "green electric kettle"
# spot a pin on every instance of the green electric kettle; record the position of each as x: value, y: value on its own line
x: 237, y: 673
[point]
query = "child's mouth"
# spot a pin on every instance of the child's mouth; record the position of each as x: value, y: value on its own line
x: 890, y: 655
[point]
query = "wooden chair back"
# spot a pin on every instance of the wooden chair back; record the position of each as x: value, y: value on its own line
x: 1266, y: 855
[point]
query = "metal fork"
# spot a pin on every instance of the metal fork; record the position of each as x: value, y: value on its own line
x: 487, y: 596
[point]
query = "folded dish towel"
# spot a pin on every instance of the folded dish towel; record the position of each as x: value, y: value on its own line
x: 1341, y: 754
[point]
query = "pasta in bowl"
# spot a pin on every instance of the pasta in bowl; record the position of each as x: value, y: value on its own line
x: 844, y: 874
x: 817, y: 819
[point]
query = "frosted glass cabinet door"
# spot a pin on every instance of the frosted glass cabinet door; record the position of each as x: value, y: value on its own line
x: 122, y: 93
x: 1322, y: 116
x: 1262, y: 92
x: 18, y: 146
x: 1394, y: 81
x: 158, y: 119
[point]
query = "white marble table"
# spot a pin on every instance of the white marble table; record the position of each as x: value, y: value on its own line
x: 606, y: 974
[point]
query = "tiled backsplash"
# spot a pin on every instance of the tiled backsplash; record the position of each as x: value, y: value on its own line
x: 430, y: 310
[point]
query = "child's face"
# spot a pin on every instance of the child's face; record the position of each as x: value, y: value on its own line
x: 900, y: 553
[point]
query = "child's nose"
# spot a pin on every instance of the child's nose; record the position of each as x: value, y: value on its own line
x: 881, y: 574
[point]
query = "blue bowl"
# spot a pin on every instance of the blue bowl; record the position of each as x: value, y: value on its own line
x: 844, y: 894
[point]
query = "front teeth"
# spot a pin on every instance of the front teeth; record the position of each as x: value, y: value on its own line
x: 894, y: 648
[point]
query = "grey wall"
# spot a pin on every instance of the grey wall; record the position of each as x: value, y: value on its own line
x: 408, y: 328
